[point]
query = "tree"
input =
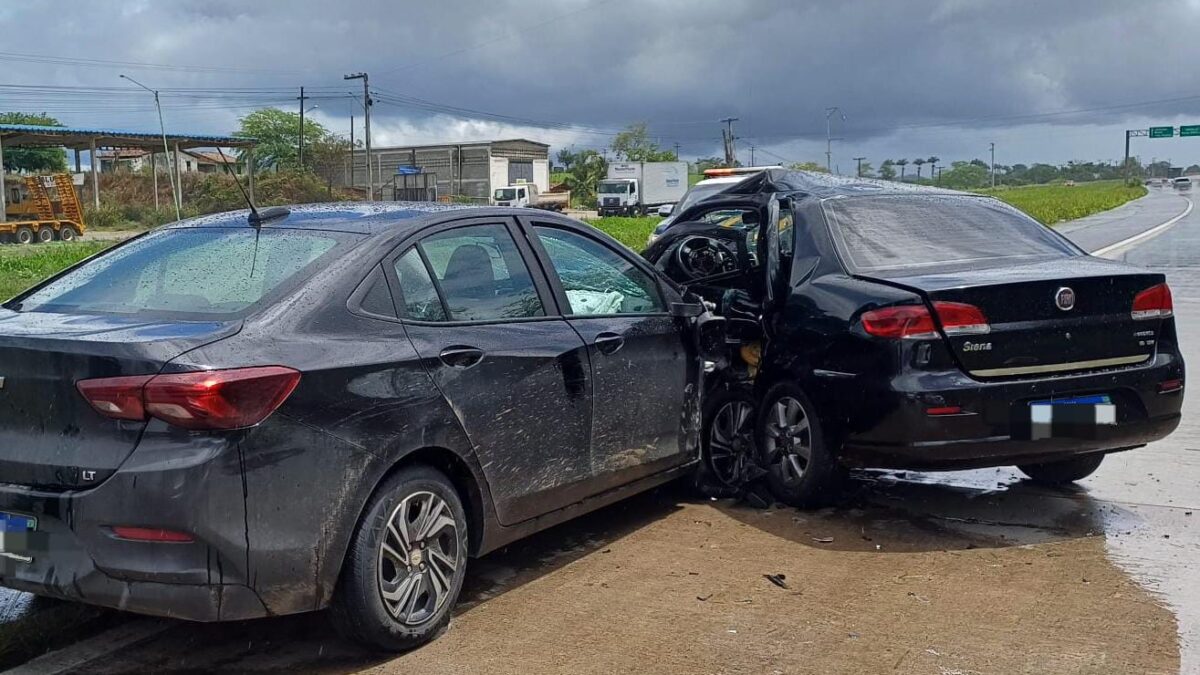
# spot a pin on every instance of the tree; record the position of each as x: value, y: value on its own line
x: 703, y: 164
x: 919, y: 163
x: 565, y: 158
x: 634, y: 145
x: 278, y: 136
x: 1192, y: 170
x: 964, y: 176
x: 808, y: 166
x: 932, y: 162
x: 328, y: 158
x: 33, y: 160
x: 865, y: 170
x: 901, y: 163
x: 588, y: 169
x: 886, y: 171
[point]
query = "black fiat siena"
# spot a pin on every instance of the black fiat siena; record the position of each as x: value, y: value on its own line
x: 216, y: 421
x: 884, y: 325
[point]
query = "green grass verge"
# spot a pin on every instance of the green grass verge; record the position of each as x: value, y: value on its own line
x: 1052, y: 204
x: 633, y: 232
x: 24, y: 266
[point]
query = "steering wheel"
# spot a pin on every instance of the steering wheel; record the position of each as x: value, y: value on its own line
x: 700, y: 257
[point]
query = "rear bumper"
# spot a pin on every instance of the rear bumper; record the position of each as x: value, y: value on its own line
x: 895, y: 431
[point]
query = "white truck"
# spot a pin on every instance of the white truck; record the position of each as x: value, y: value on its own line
x: 634, y: 188
x: 527, y: 195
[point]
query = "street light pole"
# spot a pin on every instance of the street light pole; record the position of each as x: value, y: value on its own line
x: 366, y: 129
x: 993, y: 169
x: 858, y: 170
x: 166, y: 150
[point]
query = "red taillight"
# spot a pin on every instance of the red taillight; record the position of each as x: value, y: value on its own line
x: 916, y: 322
x: 151, y: 534
x: 211, y: 399
x: 944, y: 410
x: 1153, y: 303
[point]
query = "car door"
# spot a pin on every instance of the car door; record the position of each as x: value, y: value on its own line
x: 515, y: 373
x: 643, y: 370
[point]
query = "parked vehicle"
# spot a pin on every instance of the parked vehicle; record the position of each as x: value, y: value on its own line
x: 41, y: 210
x: 635, y: 188
x: 892, y: 326
x: 216, y: 422
x: 1182, y: 183
x: 526, y: 195
x: 714, y: 181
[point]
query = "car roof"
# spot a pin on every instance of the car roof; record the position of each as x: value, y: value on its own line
x: 352, y: 217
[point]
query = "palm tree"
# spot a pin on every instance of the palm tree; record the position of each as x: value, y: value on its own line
x: 901, y: 163
x: 919, y: 162
x: 932, y: 164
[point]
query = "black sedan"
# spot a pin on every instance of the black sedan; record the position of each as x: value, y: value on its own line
x: 890, y: 326
x: 216, y: 421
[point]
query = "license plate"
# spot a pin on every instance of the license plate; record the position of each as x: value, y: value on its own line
x: 14, y: 535
x: 1073, y: 417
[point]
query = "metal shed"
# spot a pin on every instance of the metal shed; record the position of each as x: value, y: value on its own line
x: 79, y: 139
x: 466, y: 170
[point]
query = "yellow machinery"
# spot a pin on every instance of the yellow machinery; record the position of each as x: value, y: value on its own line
x: 48, y: 209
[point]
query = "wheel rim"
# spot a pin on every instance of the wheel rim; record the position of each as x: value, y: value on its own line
x: 67, y: 234
x: 46, y: 236
x: 787, y: 442
x: 731, y: 441
x: 24, y: 236
x: 419, y: 557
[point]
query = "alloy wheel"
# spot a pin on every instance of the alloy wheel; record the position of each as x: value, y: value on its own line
x: 731, y: 441
x: 787, y: 440
x: 419, y: 554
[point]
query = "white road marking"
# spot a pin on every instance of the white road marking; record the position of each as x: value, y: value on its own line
x: 1120, y: 246
x: 82, y: 653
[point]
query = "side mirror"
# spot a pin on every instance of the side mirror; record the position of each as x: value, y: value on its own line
x: 665, y: 210
x: 710, y: 340
x: 686, y: 310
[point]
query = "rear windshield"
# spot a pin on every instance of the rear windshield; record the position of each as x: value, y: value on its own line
x: 199, y: 273
x: 924, y: 231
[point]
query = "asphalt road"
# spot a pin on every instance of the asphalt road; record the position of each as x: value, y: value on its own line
x: 958, y: 572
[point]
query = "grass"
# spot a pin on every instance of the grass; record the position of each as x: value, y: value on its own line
x: 24, y: 266
x: 1052, y: 204
x: 633, y: 232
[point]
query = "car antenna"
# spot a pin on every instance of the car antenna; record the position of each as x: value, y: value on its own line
x: 256, y: 219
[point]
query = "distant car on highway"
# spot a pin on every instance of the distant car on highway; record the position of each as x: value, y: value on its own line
x: 1182, y: 183
x: 882, y: 325
x: 215, y: 421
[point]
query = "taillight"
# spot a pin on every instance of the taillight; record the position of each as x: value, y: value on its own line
x: 210, y: 399
x: 1153, y: 303
x: 915, y: 322
x: 151, y: 534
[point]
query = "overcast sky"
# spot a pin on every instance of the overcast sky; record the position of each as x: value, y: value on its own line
x: 1045, y: 80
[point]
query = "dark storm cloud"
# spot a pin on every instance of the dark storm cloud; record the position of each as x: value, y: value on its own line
x: 890, y: 66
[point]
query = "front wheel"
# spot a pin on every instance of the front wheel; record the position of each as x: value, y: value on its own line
x: 1063, y: 471
x: 67, y: 233
x: 801, y: 468
x: 24, y: 235
x: 406, y: 563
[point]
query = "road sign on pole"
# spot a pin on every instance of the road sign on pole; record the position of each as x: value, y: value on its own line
x: 1189, y: 130
x: 1162, y: 132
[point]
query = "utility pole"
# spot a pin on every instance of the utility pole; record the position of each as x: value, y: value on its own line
x: 730, y: 149
x: 992, y: 171
x: 829, y: 135
x: 366, y: 130
x: 302, y: 97
x: 752, y: 155
x: 858, y: 171
x: 350, y: 180
x: 677, y: 152
x: 163, y: 129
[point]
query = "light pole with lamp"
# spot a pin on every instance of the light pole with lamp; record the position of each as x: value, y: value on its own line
x: 166, y: 150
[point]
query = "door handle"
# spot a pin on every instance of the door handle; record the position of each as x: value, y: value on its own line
x: 461, y: 356
x: 609, y: 343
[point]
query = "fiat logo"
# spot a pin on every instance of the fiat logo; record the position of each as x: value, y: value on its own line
x: 1065, y: 299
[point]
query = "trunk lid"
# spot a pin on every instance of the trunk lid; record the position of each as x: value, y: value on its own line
x: 1031, y: 336
x: 50, y: 437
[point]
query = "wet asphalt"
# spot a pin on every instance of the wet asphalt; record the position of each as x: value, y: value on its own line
x: 1144, y: 505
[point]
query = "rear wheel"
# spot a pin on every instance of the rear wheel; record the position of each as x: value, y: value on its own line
x: 801, y: 469
x: 729, y: 437
x: 1064, y: 471
x: 406, y: 563
x: 24, y: 235
x: 45, y: 234
x: 67, y: 233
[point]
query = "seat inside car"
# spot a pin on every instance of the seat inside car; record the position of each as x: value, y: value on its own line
x: 469, y: 274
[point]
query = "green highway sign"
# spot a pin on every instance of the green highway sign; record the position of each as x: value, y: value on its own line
x: 1162, y: 132
x: 1189, y: 130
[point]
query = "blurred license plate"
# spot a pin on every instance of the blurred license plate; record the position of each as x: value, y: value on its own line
x: 14, y: 535
x: 1077, y: 417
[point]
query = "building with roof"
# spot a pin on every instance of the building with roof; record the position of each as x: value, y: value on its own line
x: 469, y: 170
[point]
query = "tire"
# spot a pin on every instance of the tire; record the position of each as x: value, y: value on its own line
x: 45, y: 234
x: 67, y: 233
x: 727, y: 440
x: 420, y: 612
x: 24, y: 235
x: 802, y: 471
x: 1063, y: 471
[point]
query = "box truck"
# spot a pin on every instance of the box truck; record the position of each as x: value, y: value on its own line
x: 634, y: 188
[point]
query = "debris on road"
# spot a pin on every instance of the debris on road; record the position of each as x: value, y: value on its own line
x: 777, y: 579
x: 823, y: 540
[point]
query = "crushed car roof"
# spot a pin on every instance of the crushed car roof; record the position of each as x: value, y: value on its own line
x: 825, y: 185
